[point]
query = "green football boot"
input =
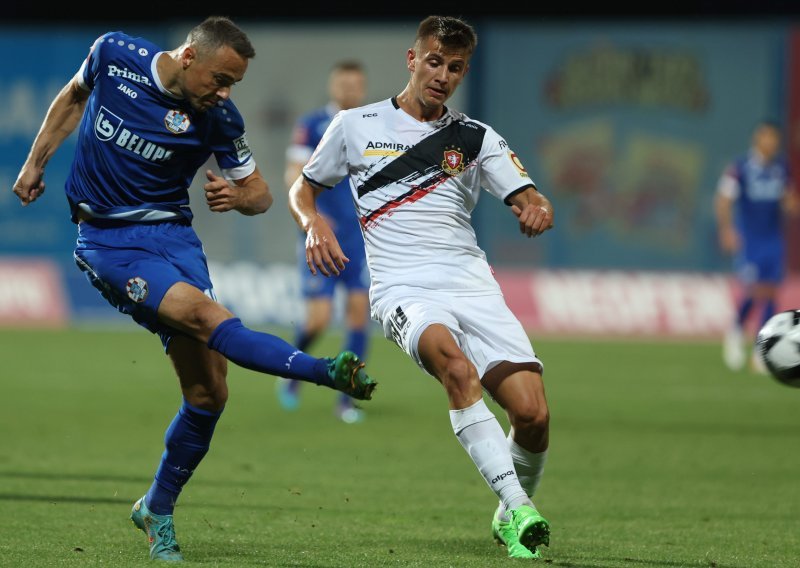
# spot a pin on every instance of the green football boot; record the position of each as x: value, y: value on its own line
x: 160, y: 532
x: 531, y: 528
x: 348, y: 375
x: 504, y: 534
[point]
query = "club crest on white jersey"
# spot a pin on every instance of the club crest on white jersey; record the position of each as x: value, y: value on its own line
x: 453, y: 162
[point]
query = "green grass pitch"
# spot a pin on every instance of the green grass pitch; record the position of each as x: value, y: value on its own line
x: 660, y: 457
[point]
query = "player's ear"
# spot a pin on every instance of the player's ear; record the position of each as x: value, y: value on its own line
x: 188, y: 55
x: 411, y: 57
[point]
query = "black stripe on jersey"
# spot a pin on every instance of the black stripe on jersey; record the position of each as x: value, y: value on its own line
x: 425, y: 158
x: 507, y: 199
x: 315, y: 183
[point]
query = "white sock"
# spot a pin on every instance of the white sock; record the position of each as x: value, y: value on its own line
x: 482, y: 436
x: 529, y: 467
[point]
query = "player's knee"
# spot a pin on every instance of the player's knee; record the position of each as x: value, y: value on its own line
x: 205, y: 318
x: 208, y: 397
x: 459, y: 378
x: 531, y: 418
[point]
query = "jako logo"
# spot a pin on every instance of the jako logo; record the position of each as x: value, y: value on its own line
x: 502, y: 476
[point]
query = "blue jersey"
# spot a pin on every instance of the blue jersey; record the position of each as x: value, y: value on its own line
x: 758, y: 189
x: 139, y: 146
x: 337, y: 203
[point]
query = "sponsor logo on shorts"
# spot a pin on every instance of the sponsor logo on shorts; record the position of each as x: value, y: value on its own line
x: 502, y: 476
x: 453, y: 163
x: 177, y: 122
x: 137, y: 289
x: 398, y: 324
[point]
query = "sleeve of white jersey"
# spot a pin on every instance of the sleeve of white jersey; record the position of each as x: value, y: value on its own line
x: 502, y: 173
x: 728, y: 185
x: 328, y: 164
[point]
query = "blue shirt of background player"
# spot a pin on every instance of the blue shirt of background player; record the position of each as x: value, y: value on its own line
x: 335, y: 204
x: 139, y: 146
x: 758, y: 188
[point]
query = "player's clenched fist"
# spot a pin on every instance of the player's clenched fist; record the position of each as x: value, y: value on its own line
x: 534, y: 213
x: 29, y: 185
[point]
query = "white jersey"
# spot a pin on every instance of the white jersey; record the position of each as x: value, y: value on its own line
x: 415, y: 185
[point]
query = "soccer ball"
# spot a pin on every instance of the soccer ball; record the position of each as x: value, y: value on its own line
x: 778, y: 343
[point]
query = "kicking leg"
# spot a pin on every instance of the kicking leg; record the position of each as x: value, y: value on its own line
x: 187, y: 309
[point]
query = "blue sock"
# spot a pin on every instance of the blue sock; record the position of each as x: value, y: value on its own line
x: 744, y: 310
x: 267, y: 353
x: 769, y: 311
x: 187, y: 441
x: 357, y: 342
x: 303, y: 339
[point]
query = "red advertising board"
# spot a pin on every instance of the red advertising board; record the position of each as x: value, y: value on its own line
x: 628, y: 303
x: 31, y: 293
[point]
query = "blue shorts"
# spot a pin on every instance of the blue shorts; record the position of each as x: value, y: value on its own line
x: 762, y: 265
x: 133, y: 266
x: 354, y: 277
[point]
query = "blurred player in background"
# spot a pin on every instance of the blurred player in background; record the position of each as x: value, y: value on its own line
x: 416, y: 170
x: 346, y: 89
x: 147, y: 119
x: 753, y: 194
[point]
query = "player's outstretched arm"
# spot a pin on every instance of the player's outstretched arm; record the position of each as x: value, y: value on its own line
x: 729, y: 240
x: 323, y: 252
x: 533, y: 211
x: 248, y: 196
x: 62, y: 118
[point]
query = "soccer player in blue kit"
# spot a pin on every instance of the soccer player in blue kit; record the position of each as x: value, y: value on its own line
x: 346, y: 89
x: 147, y: 120
x: 753, y: 195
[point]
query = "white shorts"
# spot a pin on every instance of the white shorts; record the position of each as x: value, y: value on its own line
x: 484, y: 327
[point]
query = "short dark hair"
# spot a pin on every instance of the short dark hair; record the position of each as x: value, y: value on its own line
x: 348, y: 65
x: 451, y: 32
x: 768, y: 123
x: 218, y: 31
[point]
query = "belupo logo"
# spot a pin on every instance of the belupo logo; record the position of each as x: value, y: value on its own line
x: 106, y: 124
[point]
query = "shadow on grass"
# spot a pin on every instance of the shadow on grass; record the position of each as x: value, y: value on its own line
x: 106, y: 478
x: 129, y: 500
x: 627, y: 561
x: 75, y: 477
x: 55, y: 499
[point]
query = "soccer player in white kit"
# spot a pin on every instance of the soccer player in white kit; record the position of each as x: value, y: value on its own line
x: 416, y: 170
